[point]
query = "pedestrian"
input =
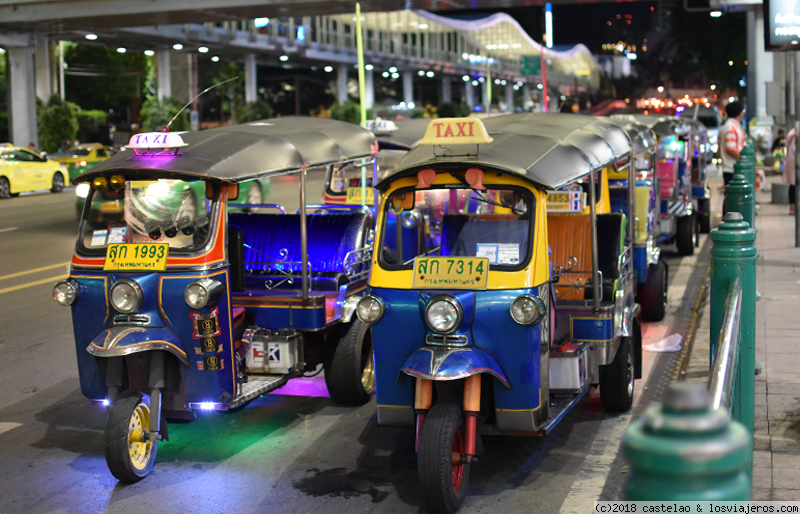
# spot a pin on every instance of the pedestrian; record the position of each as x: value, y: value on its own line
x: 731, y: 137
x: 788, y: 169
x: 780, y: 141
x: 31, y: 147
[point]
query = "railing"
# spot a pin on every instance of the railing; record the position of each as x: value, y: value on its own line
x: 724, y: 379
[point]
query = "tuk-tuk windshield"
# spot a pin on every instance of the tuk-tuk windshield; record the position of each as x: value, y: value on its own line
x: 348, y: 175
x: 170, y: 211
x: 496, y: 222
x: 670, y: 147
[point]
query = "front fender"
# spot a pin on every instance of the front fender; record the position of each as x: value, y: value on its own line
x: 125, y: 340
x: 452, y: 363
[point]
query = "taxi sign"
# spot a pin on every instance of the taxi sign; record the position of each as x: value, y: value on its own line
x: 450, y: 273
x: 456, y: 131
x: 136, y: 257
x: 379, y: 125
x: 155, y: 142
x: 565, y: 201
x: 354, y: 196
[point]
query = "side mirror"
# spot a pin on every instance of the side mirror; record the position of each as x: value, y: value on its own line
x: 233, y: 191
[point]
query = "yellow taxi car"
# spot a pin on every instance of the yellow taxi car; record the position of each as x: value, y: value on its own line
x: 25, y: 170
x: 82, y: 157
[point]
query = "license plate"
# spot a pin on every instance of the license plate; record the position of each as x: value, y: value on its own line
x: 450, y: 273
x: 136, y: 257
x: 110, y: 207
x: 354, y: 196
x: 569, y: 201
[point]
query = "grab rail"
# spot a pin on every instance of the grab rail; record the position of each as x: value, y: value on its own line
x: 724, y: 369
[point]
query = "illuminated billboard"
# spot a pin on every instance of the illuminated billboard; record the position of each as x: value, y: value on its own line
x: 782, y: 24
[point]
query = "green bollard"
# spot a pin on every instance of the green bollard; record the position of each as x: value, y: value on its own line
x: 684, y: 450
x: 739, y: 197
x: 733, y: 254
x: 748, y: 159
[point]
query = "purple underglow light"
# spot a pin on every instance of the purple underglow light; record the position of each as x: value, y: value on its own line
x: 206, y: 406
x: 307, y: 386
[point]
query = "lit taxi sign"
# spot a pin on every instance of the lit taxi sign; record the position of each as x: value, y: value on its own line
x: 379, y: 126
x: 155, y: 142
x: 456, y: 131
x: 565, y: 201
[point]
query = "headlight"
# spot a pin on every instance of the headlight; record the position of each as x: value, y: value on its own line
x: 126, y: 296
x: 203, y: 292
x: 83, y: 190
x: 528, y: 309
x: 444, y: 314
x: 370, y: 309
x: 66, y: 292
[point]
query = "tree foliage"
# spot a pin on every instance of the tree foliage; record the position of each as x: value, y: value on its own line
x: 258, y: 110
x: 451, y: 110
x: 349, y: 111
x: 89, y: 124
x: 57, y: 123
x: 156, y: 114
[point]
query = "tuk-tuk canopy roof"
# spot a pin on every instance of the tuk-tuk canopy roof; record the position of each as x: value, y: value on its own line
x: 642, y: 137
x: 406, y: 136
x: 239, y: 153
x: 549, y: 150
x: 697, y: 126
x: 664, y: 125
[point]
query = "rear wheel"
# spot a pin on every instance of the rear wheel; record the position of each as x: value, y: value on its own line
x: 686, y: 238
x: 350, y: 373
x: 616, y: 379
x: 58, y: 183
x: 5, y: 188
x: 442, y: 483
x: 653, y: 292
x: 128, y: 458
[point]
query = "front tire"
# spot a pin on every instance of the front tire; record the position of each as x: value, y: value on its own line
x: 350, y: 373
x: 443, y: 485
x: 5, y: 188
x: 617, y: 379
x: 653, y: 293
x: 685, y: 239
x: 58, y: 183
x: 128, y: 416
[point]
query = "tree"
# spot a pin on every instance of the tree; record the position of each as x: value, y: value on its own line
x: 258, y: 110
x: 156, y: 114
x: 57, y: 123
x: 349, y: 111
x: 89, y: 124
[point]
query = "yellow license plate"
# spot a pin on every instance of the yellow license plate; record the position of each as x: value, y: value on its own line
x: 354, y: 196
x: 450, y: 273
x: 110, y: 207
x: 567, y: 201
x: 136, y: 257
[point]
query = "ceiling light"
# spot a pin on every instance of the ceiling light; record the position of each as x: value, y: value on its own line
x: 368, y: 67
x: 149, y: 53
x: 122, y: 50
x: 91, y: 37
x: 177, y: 46
x: 328, y: 69
x: 421, y: 73
x: 284, y: 58
x: 385, y: 74
x: 465, y: 78
x: 203, y: 49
x: 395, y: 75
x: 430, y: 74
x: 715, y: 14
x: 392, y: 70
x: 215, y: 58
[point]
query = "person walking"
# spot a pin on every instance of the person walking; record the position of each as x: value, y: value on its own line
x: 788, y: 168
x: 731, y: 137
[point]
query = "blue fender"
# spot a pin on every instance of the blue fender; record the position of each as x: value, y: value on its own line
x: 452, y: 363
x: 125, y: 340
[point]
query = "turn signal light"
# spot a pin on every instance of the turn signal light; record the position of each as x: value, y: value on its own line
x: 100, y: 183
x: 117, y: 181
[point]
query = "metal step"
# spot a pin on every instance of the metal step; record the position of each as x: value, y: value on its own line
x: 560, y: 406
x: 257, y: 385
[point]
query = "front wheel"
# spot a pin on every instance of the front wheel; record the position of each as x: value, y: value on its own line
x: 686, y: 238
x: 443, y: 484
x: 128, y: 458
x: 58, y: 183
x: 616, y: 379
x: 653, y: 292
x: 350, y: 373
x: 5, y: 188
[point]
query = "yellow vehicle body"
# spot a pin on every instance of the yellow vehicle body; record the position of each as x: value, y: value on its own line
x: 24, y: 170
x: 82, y: 157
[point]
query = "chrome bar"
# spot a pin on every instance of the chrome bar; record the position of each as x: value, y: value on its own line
x: 336, y: 206
x: 303, y: 234
x: 593, y: 225
x: 631, y: 205
x: 257, y: 206
x: 723, y: 370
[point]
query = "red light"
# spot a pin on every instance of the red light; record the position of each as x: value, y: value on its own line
x: 652, y: 8
x: 629, y: 22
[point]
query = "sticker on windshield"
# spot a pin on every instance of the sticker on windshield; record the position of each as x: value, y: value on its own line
x: 117, y: 235
x: 499, y: 253
x: 99, y: 237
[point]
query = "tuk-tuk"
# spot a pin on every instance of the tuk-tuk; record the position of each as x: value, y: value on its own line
x: 698, y: 153
x: 506, y: 308
x: 651, y: 271
x: 173, y: 314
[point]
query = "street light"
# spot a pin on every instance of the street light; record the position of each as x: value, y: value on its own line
x: 660, y: 89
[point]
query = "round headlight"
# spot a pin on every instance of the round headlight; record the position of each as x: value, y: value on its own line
x: 204, y: 292
x: 82, y: 190
x: 100, y: 183
x: 126, y: 296
x: 528, y: 309
x: 65, y: 292
x: 444, y: 314
x: 370, y: 309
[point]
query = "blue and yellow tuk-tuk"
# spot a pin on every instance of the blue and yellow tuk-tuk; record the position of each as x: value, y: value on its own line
x: 698, y: 153
x: 175, y: 313
x: 512, y: 296
x: 651, y: 271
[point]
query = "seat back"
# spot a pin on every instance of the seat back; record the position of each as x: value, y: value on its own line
x: 610, y: 242
x: 569, y: 235
x: 272, y: 241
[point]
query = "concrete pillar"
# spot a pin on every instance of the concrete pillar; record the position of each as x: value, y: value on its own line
x: 469, y: 94
x: 369, y: 86
x: 182, y: 76
x: 250, y: 87
x: 408, y: 87
x: 509, y: 97
x: 763, y: 69
x: 447, y: 91
x: 164, y: 73
x: 341, y: 83
x: 22, y: 97
x: 42, y: 61
x: 526, y: 97
x: 485, y: 94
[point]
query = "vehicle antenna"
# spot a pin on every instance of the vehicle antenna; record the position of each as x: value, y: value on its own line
x: 165, y: 128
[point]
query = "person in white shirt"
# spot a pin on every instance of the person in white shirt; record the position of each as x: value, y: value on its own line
x: 731, y: 139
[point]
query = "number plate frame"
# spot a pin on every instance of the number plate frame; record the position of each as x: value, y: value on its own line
x: 446, y: 275
x: 125, y: 257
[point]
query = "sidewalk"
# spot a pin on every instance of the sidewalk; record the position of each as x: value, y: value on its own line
x: 776, y: 455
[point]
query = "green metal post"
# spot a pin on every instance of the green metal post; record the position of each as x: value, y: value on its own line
x: 733, y: 254
x: 684, y: 450
x: 740, y: 197
x: 747, y: 158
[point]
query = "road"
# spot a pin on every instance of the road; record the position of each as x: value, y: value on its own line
x: 283, y: 453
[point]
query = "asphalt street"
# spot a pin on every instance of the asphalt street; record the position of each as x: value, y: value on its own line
x: 283, y: 453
